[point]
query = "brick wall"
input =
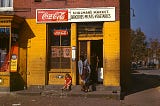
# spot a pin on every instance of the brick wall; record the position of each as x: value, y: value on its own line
x: 29, y: 7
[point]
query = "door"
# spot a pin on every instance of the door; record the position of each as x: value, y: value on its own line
x: 93, y: 50
x: 59, y: 52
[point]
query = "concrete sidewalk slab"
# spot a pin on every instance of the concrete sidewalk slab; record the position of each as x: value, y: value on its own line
x: 51, y: 90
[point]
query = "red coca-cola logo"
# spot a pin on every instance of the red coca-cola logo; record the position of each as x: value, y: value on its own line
x: 60, y: 32
x: 52, y: 15
x: 55, y: 16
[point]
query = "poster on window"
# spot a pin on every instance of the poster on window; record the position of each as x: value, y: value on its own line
x: 14, y: 58
x: 66, y: 52
x: 60, y: 32
x: 55, y: 52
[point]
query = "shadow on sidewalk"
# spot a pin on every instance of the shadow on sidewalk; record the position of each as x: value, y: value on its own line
x: 141, y: 82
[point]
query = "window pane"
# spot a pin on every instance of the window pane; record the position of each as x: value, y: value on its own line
x: 55, y: 63
x: 65, y: 57
x: 60, y: 40
x: 4, y: 48
x: 55, y: 40
x: 90, y: 28
x: 60, y: 57
x: 5, y: 32
x: 65, y: 40
x: 65, y: 63
x: 6, y: 3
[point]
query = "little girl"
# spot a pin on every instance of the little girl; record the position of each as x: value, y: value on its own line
x: 68, y: 82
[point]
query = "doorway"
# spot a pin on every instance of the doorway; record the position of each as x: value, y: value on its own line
x: 93, y: 50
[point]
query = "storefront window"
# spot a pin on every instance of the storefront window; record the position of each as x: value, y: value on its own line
x: 4, y: 48
x: 60, y: 48
x: 90, y: 28
x: 7, y: 47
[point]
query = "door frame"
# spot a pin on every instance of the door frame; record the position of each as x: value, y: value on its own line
x: 89, y: 50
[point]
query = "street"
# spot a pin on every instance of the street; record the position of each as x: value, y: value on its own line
x: 145, y: 91
x: 14, y: 100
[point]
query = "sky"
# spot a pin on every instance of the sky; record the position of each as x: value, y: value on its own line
x: 147, y: 17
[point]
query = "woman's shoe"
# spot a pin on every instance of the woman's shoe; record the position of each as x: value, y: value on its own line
x: 89, y: 90
x: 86, y: 90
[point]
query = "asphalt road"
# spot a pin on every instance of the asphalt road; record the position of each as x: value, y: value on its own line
x: 145, y: 91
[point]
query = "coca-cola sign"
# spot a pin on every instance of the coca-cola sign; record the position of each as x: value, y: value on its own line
x: 75, y: 15
x: 47, y: 16
x: 60, y: 32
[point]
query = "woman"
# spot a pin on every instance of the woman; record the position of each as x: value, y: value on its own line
x: 80, y: 69
x: 84, y: 72
x: 87, y: 72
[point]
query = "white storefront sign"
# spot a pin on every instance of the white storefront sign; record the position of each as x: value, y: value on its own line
x: 92, y: 14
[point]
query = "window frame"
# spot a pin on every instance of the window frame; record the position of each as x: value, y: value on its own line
x: 6, y: 8
x: 62, y: 58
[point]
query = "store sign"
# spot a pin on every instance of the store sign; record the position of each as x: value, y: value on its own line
x: 92, y: 14
x: 60, y: 32
x: 51, y: 15
x: 75, y: 15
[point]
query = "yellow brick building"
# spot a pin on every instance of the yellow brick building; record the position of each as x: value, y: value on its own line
x: 48, y: 50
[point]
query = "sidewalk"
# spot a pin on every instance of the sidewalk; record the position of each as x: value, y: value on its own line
x: 76, y: 91
x: 145, y: 91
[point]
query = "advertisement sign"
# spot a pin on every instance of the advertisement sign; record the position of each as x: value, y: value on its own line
x: 60, y: 32
x: 14, y: 58
x: 55, y: 52
x: 75, y: 15
x: 51, y: 15
x: 66, y: 52
x: 60, y: 52
x: 13, y: 63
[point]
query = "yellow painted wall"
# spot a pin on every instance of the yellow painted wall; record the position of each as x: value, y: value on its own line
x: 74, y: 43
x: 5, y: 76
x: 36, y: 53
x: 111, y: 53
x: 54, y: 80
x: 23, y: 64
